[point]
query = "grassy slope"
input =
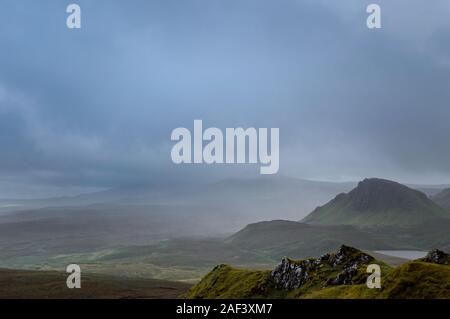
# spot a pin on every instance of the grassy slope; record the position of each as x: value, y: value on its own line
x: 414, y: 280
x: 410, y: 280
x: 227, y: 282
x: 50, y: 284
x: 443, y: 198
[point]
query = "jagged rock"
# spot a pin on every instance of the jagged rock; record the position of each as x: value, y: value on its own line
x: 343, y: 278
x: 291, y: 274
x: 438, y: 257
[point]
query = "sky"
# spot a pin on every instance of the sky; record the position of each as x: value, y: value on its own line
x: 94, y: 108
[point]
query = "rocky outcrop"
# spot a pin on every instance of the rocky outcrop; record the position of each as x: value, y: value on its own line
x: 437, y: 257
x: 290, y: 274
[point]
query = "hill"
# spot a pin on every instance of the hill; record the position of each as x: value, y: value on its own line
x: 336, y: 275
x: 29, y: 284
x: 378, y: 202
x: 443, y: 198
x: 280, y: 238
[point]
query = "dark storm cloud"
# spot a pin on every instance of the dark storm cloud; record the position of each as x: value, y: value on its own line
x: 95, y: 107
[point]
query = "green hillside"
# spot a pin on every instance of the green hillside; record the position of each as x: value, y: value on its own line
x: 337, y: 275
x: 443, y: 198
x: 280, y: 238
x: 413, y: 280
x: 377, y: 202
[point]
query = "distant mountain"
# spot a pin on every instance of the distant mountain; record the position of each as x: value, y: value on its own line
x: 259, y: 198
x: 256, y: 198
x: 430, y: 190
x: 378, y: 202
x: 443, y: 198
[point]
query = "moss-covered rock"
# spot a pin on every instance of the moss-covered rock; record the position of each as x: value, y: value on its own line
x: 340, y: 268
x: 341, y: 274
x: 437, y: 257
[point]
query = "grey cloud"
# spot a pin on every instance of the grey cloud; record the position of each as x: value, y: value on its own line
x: 95, y: 107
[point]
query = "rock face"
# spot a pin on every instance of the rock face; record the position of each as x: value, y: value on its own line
x: 437, y: 257
x: 291, y: 274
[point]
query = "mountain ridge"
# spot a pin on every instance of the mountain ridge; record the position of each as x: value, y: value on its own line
x: 443, y: 198
x: 377, y: 202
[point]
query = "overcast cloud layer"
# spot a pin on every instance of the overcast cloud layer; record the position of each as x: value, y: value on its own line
x: 95, y: 107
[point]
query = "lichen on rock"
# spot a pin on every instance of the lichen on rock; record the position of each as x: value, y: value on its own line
x: 291, y: 274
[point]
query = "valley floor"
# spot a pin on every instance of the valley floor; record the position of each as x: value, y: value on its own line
x: 29, y: 284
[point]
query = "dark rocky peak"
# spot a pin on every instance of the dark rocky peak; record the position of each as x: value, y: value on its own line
x: 380, y: 193
x: 378, y: 202
x: 291, y: 274
x: 347, y: 256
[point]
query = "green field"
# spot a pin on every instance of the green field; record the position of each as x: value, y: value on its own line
x: 25, y: 284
